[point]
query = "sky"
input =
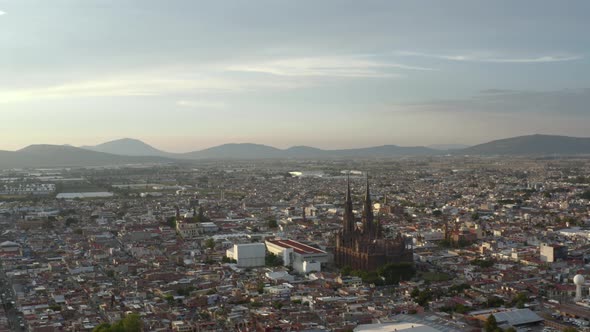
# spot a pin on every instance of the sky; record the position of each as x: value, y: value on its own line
x: 183, y: 75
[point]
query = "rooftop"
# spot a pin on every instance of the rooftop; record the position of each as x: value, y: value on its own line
x: 298, y: 247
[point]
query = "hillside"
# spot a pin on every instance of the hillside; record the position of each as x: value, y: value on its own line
x: 128, y: 147
x: 44, y: 155
x: 532, y: 145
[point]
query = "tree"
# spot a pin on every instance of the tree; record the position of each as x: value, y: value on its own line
x: 201, y: 216
x: 491, y: 324
x: 131, y: 323
x: 346, y: 270
x: 272, y: 223
x: 494, y: 302
x: 171, y: 222
x: 210, y: 243
x: 70, y: 221
x: 260, y: 287
x: 273, y: 260
x: 226, y: 259
x: 392, y: 273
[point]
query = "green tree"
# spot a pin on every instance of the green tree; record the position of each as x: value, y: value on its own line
x: 392, y: 273
x: 210, y: 243
x: 260, y: 287
x: 491, y: 324
x: 131, y: 323
x: 346, y: 270
x: 272, y: 223
x: 171, y: 222
x: 70, y: 221
x: 273, y: 260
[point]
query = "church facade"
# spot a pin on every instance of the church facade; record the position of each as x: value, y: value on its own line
x: 365, y: 248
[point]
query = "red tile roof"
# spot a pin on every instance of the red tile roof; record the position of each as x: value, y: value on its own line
x: 298, y: 247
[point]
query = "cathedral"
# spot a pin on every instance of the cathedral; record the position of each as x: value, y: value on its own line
x: 365, y: 248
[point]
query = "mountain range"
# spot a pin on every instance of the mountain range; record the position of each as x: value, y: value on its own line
x: 132, y: 151
x: 44, y: 155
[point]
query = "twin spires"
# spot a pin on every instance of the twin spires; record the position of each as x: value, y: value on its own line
x: 369, y: 227
x: 349, y: 223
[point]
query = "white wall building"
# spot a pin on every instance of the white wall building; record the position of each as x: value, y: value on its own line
x: 247, y: 255
x: 303, y: 258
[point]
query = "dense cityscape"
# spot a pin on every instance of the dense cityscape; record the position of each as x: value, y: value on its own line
x: 294, y: 165
x: 495, y: 243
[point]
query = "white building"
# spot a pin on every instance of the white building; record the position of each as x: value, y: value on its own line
x: 247, y: 255
x: 303, y: 258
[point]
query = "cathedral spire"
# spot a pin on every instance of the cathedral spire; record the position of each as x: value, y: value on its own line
x: 367, y: 193
x: 348, y: 188
x: 368, y: 225
x: 349, y: 222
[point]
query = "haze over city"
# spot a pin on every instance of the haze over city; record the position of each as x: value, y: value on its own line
x: 187, y: 75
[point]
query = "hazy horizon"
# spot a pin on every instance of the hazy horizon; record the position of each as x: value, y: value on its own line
x: 188, y: 75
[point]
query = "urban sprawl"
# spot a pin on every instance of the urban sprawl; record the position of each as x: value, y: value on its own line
x: 411, y: 244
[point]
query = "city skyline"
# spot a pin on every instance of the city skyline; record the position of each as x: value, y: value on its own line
x: 189, y: 75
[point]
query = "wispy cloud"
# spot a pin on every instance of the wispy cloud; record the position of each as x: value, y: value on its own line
x: 142, y: 85
x: 329, y: 66
x: 117, y: 87
x: 2, y: 13
x: 494, y: 58
x: 501, y: 101
x: 201, y: 104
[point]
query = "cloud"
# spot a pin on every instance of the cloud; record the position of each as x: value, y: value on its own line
x: 2, y: 13
x: 116, y: 87
x: 201, y: 104
x: 501, y: 101
x: 142, y: 85
x: 328, y: 66
x: 494, y: 59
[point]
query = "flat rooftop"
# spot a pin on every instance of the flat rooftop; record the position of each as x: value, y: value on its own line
x: 297, y: 247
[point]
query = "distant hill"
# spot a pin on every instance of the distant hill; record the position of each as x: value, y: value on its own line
x: 131, y: 151
x: 258, y: 151
x: 236, y: 151
x: 128, y: 147
x: 447, y: 147
x: 44, y: 155
x: 532, y: 145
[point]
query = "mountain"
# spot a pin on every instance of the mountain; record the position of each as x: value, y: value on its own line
x: 258, y: 151
x: 385, y: 151
x: 304, y: 152
x: 128, y: 147
x: 532, y: 145
x: 44, y: 155
x: 447, y: 147
x: 236, y: 151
